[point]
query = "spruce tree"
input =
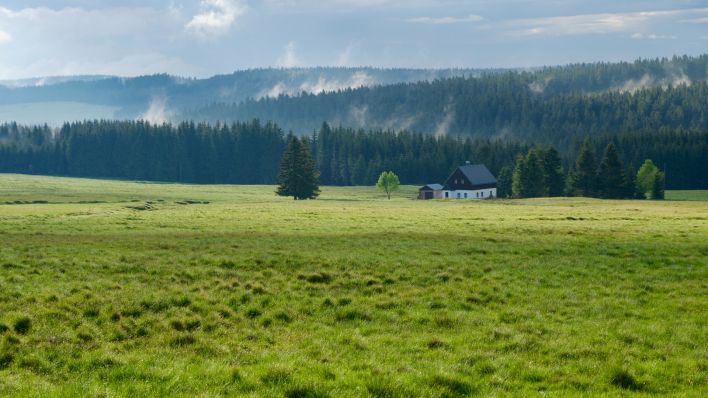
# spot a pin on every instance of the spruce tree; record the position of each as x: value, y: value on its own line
x: 535, y: 179
x: 553, y: 173
x: 611, y: 177
x: 583, y: 180
x: 657, y: 188
x: 298, y: 177
x: 518, y: 182
x: 630, y: 190
x: 504, y: 182
x: 528, y: 179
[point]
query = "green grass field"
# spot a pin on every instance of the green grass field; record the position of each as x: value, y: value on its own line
x: 116, y: 289
x: 687, y: 195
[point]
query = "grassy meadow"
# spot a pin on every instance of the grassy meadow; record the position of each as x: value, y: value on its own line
x: 117, y: 289
x: 687, y: 195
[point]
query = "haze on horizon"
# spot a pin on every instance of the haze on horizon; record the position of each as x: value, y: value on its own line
x: 205, y: 37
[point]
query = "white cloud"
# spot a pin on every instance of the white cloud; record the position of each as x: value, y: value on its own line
x: 594, y: 23
x: 5, y: 37
x: 703, y: 20
x: 76, y: 24
x: 289, y: 57
x: 114, y: 40
x: 344, y: 4
x: 446, y: 20
x: 217, y: 17
x: 653, y: 36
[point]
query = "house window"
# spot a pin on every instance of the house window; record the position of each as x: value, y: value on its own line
x: 482, y: 193
x: 465, y: 195
x: 458, y: 195
x: 447, y: 194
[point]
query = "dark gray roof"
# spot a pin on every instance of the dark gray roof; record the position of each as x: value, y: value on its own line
x: 478, y: 174
x: 434, y: 187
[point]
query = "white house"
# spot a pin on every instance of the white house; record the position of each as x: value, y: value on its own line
x: 469, y: 181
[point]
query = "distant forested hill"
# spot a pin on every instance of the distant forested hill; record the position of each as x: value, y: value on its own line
x: 164, y: 98
x: 554, y: 105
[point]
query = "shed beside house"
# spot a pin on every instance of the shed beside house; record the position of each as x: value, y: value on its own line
x: 431, y: 191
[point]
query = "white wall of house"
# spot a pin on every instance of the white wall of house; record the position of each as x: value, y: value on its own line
x: 486, y: 193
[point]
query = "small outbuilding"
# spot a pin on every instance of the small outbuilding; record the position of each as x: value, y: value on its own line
x: 431, y: 191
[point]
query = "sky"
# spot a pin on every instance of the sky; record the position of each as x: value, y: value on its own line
x: 200, y: 38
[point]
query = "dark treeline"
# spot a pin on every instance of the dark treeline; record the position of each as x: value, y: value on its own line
x: 244, y: 153
x: 355, y: 157
x: 249, y: 153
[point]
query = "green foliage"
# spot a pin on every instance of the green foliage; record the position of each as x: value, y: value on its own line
x: 650, y: 181
x: 253, y: 294
x: 553, y: 175
x: 657, y: 187
x: 528, y: 181
x: 534, y: 174
x: 388, y: 182
x: 504, y: 182
x: 583, y: 179
x: 645, y: 176
x: 298, y: 177
x: 611, y: 179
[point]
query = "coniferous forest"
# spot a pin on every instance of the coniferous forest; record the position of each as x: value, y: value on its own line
x: 249, y: 153
x: 649, y: 109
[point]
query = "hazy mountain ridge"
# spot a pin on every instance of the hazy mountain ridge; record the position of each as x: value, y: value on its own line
x: 554, y: 104
x: 163, y: 97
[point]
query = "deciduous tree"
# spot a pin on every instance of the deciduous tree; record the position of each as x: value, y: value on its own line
x: 388, y: 182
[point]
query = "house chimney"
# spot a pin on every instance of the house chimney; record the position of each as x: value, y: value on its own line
x: 468, y: 162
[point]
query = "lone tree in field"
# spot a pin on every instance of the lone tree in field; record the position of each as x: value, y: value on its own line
x: 298, y: 176
x: 388, y: 182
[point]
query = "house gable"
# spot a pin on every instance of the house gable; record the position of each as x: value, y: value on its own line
x: 469, y: 178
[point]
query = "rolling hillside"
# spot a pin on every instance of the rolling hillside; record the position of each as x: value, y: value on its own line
x: 162, y: 97
x: 553, y: 105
